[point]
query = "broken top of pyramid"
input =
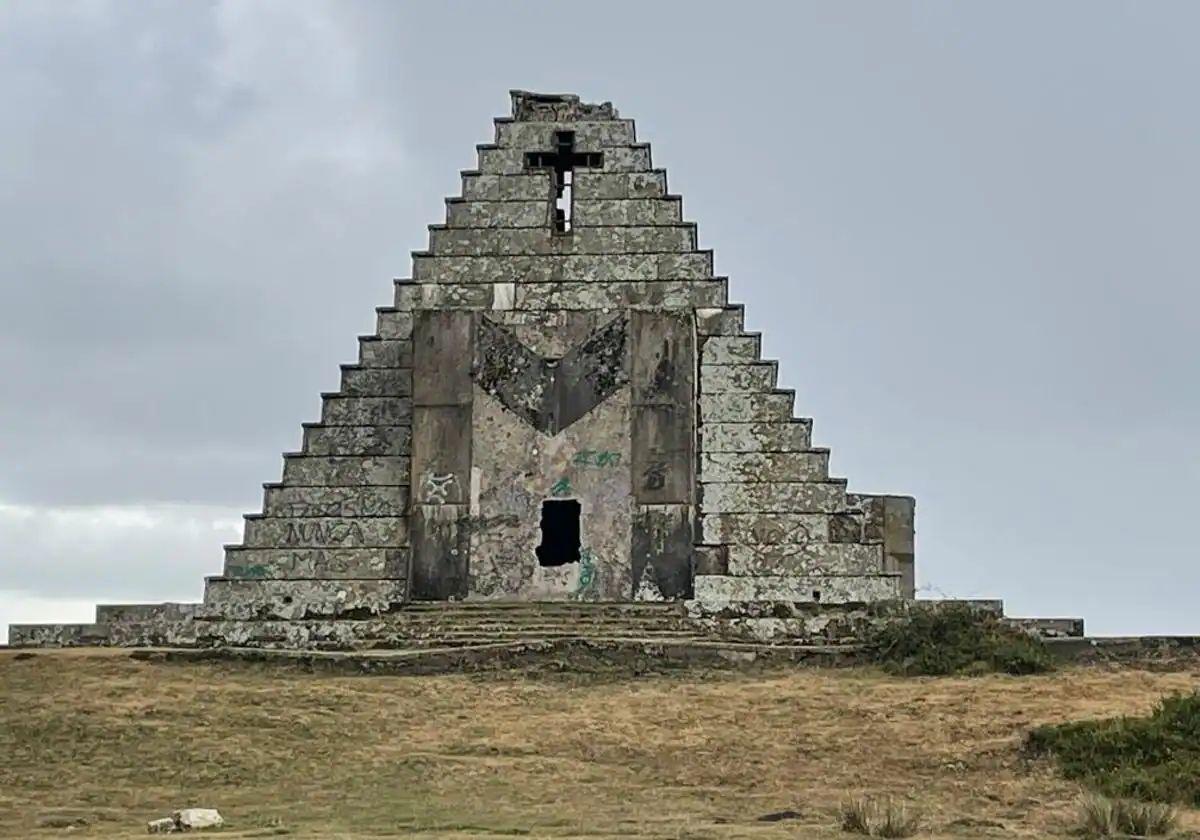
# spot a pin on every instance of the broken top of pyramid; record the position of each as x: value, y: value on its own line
x: 561, y: 404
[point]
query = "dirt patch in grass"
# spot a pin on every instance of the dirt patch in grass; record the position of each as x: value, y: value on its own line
x: 96, y: 736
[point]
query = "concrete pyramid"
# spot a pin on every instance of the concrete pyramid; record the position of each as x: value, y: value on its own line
x: 561, y: 404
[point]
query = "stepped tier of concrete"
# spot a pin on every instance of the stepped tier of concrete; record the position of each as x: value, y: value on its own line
x: 639, y: 655
x: 568, y: 654
x: 560, y: 406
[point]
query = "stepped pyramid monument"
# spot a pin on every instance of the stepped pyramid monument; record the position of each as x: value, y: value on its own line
x: 561, y: 408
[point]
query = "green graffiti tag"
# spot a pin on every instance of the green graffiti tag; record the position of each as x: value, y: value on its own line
x: 596, y: 458
x: 562, y: 487
x: 587, y: 575
x: 253, y: 570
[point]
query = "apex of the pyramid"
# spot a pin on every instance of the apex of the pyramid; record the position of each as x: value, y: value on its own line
x: 528, y: 106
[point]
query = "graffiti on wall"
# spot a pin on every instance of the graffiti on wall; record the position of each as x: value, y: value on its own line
x: 436, y: 488
x: 255, y: 571
x: 586, y: 584
x: 332, y: 533
x: 596, y: 458
x: 654, y: 476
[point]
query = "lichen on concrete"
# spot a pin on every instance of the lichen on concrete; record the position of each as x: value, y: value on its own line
x: 528, y: 361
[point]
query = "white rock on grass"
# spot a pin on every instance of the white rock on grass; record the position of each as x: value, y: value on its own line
x: 191, y: 819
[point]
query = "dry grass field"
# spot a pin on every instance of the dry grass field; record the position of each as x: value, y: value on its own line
x: 96, y: 736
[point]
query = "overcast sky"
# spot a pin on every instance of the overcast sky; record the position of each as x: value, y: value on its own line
x: 967, y: 231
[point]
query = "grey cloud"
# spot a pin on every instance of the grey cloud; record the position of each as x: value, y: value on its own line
x: 964, y: 230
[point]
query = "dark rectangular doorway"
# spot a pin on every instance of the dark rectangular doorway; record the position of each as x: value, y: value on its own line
x: 560, y: 533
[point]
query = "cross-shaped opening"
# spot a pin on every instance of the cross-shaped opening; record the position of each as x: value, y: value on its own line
x: 563, y: 161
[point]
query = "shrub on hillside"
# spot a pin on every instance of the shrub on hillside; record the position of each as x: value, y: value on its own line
x: 956, y: 639
x: 1154, y: 758
x: 875, y: 818
x: 1100, y: 816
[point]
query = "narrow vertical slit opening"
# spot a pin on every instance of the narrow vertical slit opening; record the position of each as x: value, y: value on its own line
x: 562, y: 204
x: 560, y: 533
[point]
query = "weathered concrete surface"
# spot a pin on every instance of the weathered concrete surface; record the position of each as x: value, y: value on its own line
x: 502, y: 161
x: 449, y: 242
x: 588, y: 185
x: 775, y: 407
x: 376, y: 352
x: 429, y: 269
x: 376, y: 382
x: 392, y: 324
x: 342, y: 410
x: 826, y: 589
x: 565, y: 295
x: 807, y: 559
x: 516, y: 468
x: 575, y: 654
x: 345, y: 471
x: 370, y: 439
x: 747, y: 378
x: 730, y: 350
x: 727, y: 320
x: 767, y: 528
x: 327, y: 532
x: 600, y: 212
x: 417, y: 628
x: 593, y: 268
x: 792, y: 436
x: 316, y: 563
x: 230, y: 598
x: 551, y: 393
x: 442, y: 452
x: 528, y: 361
x: 773, y: 497
x: 663, y: 360
x: 890, y: 520
x: 812, y: 465
x: 590, y: 136
x: 308, y: 501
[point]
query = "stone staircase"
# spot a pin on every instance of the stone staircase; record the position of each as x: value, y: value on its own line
x: 801, y: 628
x: 415, y: 625
x: 464, y: 624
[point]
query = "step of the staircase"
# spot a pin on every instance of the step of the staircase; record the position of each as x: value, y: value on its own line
x: 424, y: 629
x: 58, y: 635
x: 473, y: 639
x: 561, y: 654
x: 166, y: 611
x: 1049, y: 628
x: 546, y: 607
x: 826, y: 589
x: 386, y: 632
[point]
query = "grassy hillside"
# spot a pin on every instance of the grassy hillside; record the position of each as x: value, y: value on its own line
x: 97, y: 736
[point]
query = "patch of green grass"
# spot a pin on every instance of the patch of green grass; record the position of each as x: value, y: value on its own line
x: 940, y: 640
x: 1154, y: 758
